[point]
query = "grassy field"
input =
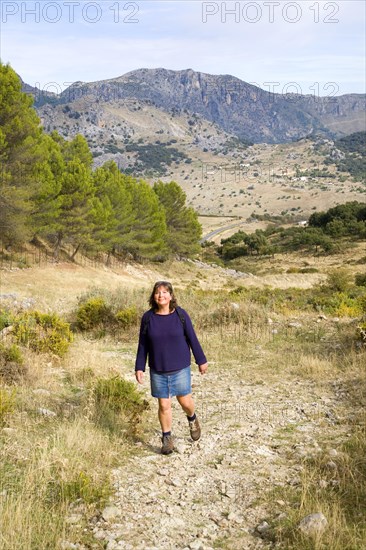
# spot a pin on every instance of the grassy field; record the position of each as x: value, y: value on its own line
x: 263, y: 179
x: 68, y: 421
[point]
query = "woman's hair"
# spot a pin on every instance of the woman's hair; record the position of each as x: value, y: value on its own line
x: 168, y: 286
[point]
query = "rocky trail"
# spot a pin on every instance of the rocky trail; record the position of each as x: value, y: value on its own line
x: 220, y: 492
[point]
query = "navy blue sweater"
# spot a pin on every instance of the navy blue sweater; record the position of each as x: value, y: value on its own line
x: 167, y: 343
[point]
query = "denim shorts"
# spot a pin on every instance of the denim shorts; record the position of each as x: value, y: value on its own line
x: 168, y: 385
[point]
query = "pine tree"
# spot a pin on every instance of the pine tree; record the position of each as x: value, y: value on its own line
x: 75, y: 220
x: 103, y: 222
x: 20, y: 153
x: 77, y: 148
x: 47, y: 201
x: 138, y: 223
x: 147, y: 237
x: 111, y: 188
x: 184, y: 230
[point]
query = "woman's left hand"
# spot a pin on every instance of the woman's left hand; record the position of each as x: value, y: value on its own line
x: 203, y: 368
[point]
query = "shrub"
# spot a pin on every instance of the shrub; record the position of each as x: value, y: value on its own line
x: 93, y: 313
x: 11, y: 354
x: 339, y: 280
x: 118, y: 400
x: 81, y: 486
x: 226, y: 314
x: 302, y: 270
x: 362, y: 303
x: 5, y: 319
x: 348, y: 308
x: 340, y: 304
x: 7, y: 403
x: 360, y: 279
x: 309, y: 270
x: 43, y: 332
x: 105, y: 312
x: 361, y: 332
x: 11, y: 363
x: 126, y: 317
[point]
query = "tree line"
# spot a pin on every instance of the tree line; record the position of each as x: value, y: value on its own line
x: 49, y: 189
x: 324, y: 233
x: 354, y: 161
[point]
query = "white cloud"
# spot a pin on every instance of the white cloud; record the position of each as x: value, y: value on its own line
x: 173, y: 35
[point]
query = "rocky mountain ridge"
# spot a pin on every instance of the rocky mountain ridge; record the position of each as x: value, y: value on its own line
x: 232, y: 105
x: 125, y: 120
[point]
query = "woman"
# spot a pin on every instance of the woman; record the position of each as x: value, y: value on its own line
x: 166, y: 337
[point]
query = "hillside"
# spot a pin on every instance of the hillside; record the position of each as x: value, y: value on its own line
x: 207, y: 133
x: 281, y: 410
x: 238, y: 108
x: 288, y: 179
x: 281, y: 461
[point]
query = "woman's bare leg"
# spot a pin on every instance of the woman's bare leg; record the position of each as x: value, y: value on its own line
x: 187, y: 403
x: 165, y: 413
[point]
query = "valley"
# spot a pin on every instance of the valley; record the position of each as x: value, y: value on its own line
x: 175, y: 125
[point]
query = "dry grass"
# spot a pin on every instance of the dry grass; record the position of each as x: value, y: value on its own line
x: 232, y: 191
x: 313, y: 367
x: 49, y: 462
x: 53, y: 459
x: 44, y: 472
x: 336, y: 487
x: 334, y: 484
x: 333, y: 481
x: 57, y: 288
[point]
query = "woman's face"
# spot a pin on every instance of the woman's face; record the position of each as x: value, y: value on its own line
x: 162, y: 296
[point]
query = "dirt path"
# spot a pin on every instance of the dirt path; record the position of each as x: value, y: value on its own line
x: 215, y: 232
x: 244, y: 225
x: 215, y: 493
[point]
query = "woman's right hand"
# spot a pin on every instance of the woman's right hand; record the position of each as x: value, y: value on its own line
x: 139, y: 376
x: 203, y: 368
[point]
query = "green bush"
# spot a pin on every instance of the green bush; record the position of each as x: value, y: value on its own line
x: 341, y: 304
x: 7, y: 403
x: 117, y: 401
x: 118, y: 394
x: 82, y: 486
x: 309, y: 270
x: 104, y: 312
x: 43, y: 332
x: 11, y: 363
x: 93, y: 313
x: 347, y: 306
x: 11, y: 354
x: 362, y: 303
x: 321, y: 298
x: 360, y: 279
x: 126, y: 317
x: 361, y: 332
x: 339, y: 279
x: 302, y: 270
x: 5, y: 319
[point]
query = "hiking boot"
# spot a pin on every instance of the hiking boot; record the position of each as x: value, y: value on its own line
x: 195, y: 429
x: 168, y: 444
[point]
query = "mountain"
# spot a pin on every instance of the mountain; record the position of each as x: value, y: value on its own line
x: 200, y: 131
x: 40, y: 96
x: 235, y: 107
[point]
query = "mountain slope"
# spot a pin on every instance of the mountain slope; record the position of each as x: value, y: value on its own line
x: 235, y: 106
x: 184, y: 126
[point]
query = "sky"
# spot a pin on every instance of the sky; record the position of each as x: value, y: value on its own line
x: 303, y: 46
